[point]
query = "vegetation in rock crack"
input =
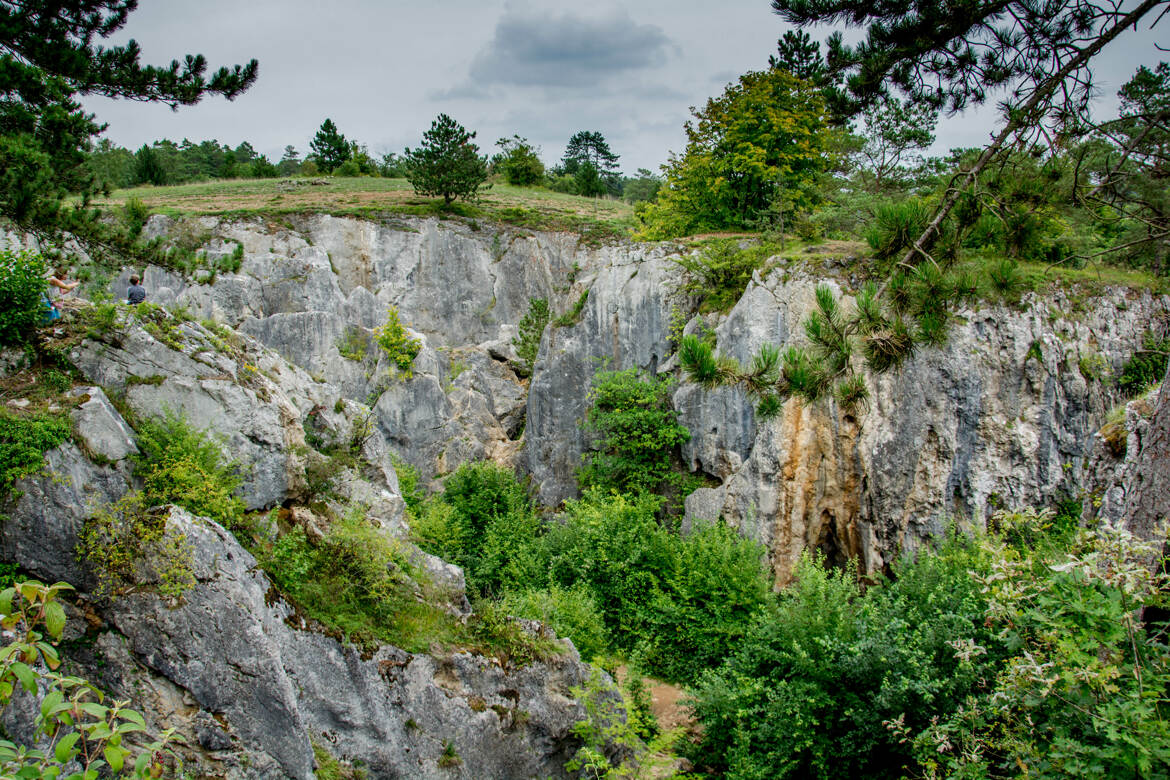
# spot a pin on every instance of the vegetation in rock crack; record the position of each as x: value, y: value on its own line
x: 530, y: 331
x: 181, y: 464
x: 634, y: 436
x: 80, y: 735
x: 130, y: 545
x: 398, y: 345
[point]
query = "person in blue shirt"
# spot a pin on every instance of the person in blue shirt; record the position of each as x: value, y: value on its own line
x: 135, y: 293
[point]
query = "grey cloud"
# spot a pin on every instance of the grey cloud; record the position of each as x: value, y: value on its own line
x: 567, y: 51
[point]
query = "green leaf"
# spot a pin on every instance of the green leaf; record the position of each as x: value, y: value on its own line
x: 64, y: 749
x: 115, y: 756
x: 27, y: 677
x: 6, y: 597
x: 141, y: 763
x: 54, y: 619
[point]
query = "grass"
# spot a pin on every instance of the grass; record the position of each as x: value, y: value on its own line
x: 534, y: 208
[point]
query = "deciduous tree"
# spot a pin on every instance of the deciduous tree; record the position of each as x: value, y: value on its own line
x: 766, y: 133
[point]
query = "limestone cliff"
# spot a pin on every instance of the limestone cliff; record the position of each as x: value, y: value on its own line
x: 1001, y: 415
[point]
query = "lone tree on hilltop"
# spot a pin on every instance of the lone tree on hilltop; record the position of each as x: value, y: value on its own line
x: 48, y: 58
x: 447, y: 164
x: 329, y: 148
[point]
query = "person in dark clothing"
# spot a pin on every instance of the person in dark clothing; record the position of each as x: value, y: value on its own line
x: 135, y: 293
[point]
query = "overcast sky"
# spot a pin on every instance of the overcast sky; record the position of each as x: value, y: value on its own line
x: 544, y: 70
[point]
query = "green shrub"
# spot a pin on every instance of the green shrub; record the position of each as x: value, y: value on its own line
x: 130, y: 545
x: 24, y: 440
x: 134, y: 215
x: 1147, y: 366
x: 531, y: 330
x: 572, y: 613
x: 76, y: 730
x: 22, y: 285
x: 813, y: 689
x: 634, y: 434
x: 1084, y: 691
x: 719, y: 274
x: 180, y: 464
x: 396, y: 343
x: 677, y: 603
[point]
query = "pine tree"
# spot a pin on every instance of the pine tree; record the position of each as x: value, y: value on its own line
x: 594, y: 167
x: 951, y: 54
x: 329, y: 148
x: 447, y: 164
x: 48, y: 59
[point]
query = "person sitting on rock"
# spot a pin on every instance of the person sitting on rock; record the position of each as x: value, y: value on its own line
x: 135, y: 293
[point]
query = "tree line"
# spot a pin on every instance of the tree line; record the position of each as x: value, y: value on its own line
x: 588, y: 166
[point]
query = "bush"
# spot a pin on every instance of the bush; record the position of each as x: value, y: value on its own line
x: 531, y: 330
x: 24, y: 440
x: 1084, y: 691
x: 130, y: 544
x: 718, y: 275
x: 180, y: 464
x: 571, y: 612
x: 76, y: 730
x: 634, y: 434
x: 678, y: 603
x: 397, y: 343
x: 812, y: 690
x: 22, y: 285
x: 1147, y: 366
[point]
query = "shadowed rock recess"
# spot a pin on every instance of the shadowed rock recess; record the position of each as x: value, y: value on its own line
x: 1002, y: 415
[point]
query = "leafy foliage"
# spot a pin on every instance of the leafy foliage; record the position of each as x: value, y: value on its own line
x: 811, y: 689
x: 1084, y: 690
x: 447, y: 164
x: 24, y: 440
x: 397, y: 343
x: 678, y: 603
x: 22, y: 285
x: 519, y: 161
x: 614, y: 736
x: 130, y: 545
x: 79, y: 733
x: 766, y: 137
x: 634, y: 433
x: 180, y: 464
x: 719, y: 274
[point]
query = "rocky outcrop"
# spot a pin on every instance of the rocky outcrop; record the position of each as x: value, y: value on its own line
x: 1000, y: 415
x: 248, y: 680
x: 1129, y: 467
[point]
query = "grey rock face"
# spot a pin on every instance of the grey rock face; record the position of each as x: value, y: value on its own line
x: 251, y: 682
x: 100, y: 428
x: 1001, y: 415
